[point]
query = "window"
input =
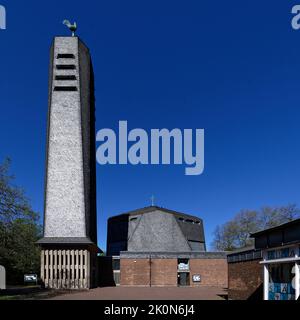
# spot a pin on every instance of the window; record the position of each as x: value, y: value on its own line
x: 65, y: 67
x: 183, y: 265
x: 116, y: 264
x: 71, y: 88
x: 65, y: 77
x: 65, y: 56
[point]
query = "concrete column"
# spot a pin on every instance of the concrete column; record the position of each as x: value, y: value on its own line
x: 51, y: 268
x: 72, y: 268
x: 77, y: 269
x: 59, y: 270
x: 84, y: 256
x: 47, y: 268
x: 63, y: 265
x: 43, y: 265
x: 55, y: 269
x: 88, y: 268
x: 297, y: 280
x: 266, y: 282
x: 68, y: 268
x: 81, y: 269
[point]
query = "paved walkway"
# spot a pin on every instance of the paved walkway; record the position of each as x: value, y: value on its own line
x: 141, y: 293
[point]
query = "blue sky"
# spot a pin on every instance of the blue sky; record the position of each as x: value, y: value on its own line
x: 230, y: 67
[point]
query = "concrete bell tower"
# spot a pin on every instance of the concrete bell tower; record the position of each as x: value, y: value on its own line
x: 69, y: 246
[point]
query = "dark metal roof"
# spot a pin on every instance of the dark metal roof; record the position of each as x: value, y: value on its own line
x: 280, y: 227
x: 153, y: 208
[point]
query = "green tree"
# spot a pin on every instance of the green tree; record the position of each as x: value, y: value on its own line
x: 235, y: 234
x: 19, y: 229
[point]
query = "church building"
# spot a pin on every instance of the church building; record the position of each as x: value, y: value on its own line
x: 155, y: 246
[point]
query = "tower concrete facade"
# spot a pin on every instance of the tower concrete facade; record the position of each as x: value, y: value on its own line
x: 69, y: 245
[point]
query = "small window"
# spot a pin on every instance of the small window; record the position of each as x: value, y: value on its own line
x: 183, y: 265
x: 181, y: 219
x: 66, y: 88
x: 116, y: 264
x: 65, y: 77
x: 65, y: 56
x: 66, y: 67
x: 189, y: 220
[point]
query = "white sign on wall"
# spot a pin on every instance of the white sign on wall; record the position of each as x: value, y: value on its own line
x: 30, y: 278
x: 196, y: 278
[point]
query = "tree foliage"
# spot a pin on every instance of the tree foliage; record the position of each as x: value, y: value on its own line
x: 235, y: 234
x: 19, y: 229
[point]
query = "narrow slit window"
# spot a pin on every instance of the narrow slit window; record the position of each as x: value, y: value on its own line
x: 66, y: 67
x: 65, y: 88
x: 65, y: 77
x: 65, y: 56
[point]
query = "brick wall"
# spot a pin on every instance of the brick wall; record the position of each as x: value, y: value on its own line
x: 136, y: 272
x: 245, y: 280
x: 214, y: 272
x: 164, y: 272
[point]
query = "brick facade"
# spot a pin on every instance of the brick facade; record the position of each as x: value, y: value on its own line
x: 245, y: 280
x: 214, y: 272
x: 136, y: 272
x: 164, y: 272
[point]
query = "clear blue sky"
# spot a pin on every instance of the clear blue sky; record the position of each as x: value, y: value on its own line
x: 230, y: 67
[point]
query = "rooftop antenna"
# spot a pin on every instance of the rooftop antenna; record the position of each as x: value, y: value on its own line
x: 72, y: 27
x: 152, y: 201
